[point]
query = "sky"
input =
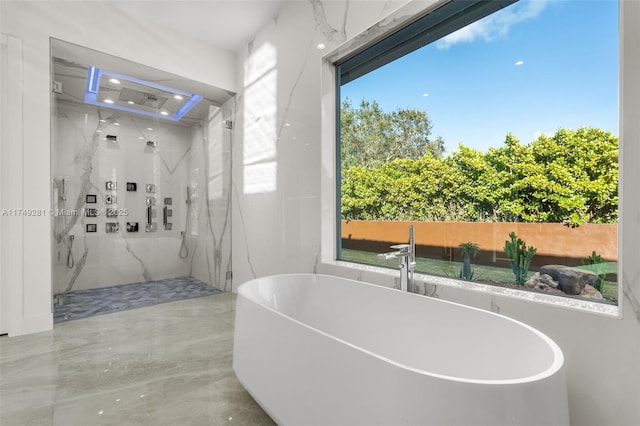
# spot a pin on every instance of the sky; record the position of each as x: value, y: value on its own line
x: 529, y: 69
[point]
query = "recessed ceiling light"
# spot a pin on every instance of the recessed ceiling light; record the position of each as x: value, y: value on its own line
x: 164, y: 113
x: 116, y: 124
x: 321, y: 46
x: 103, y: 120
x: 130, y: 102
x: 149, y: 128
x: 178, y: 97
x: 108, y: 101
x: 98, y: 131
x: 141, y: 137
x: 93, y: 90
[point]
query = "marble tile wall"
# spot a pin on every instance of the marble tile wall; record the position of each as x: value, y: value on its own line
x: 87, y: 160
x: 277, y: 168
x: 185, y: 156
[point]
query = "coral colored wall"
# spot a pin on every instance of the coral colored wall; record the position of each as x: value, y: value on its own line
x: 556, y: 243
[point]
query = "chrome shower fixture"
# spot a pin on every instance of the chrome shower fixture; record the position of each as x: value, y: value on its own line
x: 152, y: 144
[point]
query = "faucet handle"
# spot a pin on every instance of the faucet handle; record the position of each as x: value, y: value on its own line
x: 403, y: 247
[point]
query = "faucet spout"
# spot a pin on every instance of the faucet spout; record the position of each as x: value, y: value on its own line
x: 391, y: 255
x: 406, y: 254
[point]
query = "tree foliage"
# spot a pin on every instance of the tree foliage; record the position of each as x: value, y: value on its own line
x: 570, y: 177
x: 371, y: 137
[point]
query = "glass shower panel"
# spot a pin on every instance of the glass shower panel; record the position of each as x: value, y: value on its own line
x: 210, y: 215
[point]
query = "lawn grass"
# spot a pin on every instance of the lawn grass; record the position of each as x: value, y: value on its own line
x: 481, y: 273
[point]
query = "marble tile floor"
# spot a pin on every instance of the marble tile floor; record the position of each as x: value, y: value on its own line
x: 168, y: 364
x: 98, y: 301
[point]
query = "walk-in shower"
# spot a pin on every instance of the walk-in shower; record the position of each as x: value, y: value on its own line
x: 126, y: 141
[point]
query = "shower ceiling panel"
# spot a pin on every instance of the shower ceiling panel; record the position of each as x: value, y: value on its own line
x: 122, y: 92
x: 152, y: 90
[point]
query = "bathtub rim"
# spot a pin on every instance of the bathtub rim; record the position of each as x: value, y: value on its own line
x: 555, y: 367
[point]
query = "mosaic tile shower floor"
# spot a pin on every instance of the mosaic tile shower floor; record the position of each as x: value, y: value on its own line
x: 98, y: 301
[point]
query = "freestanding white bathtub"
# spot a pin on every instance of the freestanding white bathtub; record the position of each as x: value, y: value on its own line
x: 322, y: 350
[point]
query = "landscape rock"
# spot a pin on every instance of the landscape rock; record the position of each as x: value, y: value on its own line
x: 542, y: 282
x: 571, y: 280
x: 533, y: 281
x: 548, y: 280
x: 591, y: 292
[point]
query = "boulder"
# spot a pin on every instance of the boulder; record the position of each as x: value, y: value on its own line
x: 533, y: 281
x: 538, y: 279
x: 570, y: 280
x: 548, y: 281
x: 543, y: 282
x: 591, y: 293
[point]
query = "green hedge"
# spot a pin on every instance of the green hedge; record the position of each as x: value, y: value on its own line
x: 571, y: 177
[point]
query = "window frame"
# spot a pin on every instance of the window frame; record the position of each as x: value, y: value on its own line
x: 341, y: 56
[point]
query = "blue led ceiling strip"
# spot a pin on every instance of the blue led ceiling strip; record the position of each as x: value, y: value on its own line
x: 93, y: 86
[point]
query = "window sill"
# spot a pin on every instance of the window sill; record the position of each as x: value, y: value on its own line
x: 576, y: 304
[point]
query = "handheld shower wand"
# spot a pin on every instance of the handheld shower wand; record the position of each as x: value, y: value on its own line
x: 184, y: 250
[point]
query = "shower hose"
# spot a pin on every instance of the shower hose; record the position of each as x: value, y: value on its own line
x: 70, y: 260
x: 183, y: 246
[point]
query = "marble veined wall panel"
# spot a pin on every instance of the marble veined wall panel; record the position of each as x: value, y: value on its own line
x: 277, y: 167
x: 112, y: 176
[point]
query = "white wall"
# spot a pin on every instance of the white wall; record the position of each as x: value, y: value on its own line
x: 284, y: 181
x: 33, y: 23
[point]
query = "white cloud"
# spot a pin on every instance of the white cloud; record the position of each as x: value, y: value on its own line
x: 496, y: 25
x: 519, y: 63
x: 425, y: 95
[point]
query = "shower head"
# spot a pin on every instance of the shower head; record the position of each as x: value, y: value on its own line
x: 152, y: 144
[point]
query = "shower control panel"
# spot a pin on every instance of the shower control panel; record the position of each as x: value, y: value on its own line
x: 167, y: 213
x: 109, y: 210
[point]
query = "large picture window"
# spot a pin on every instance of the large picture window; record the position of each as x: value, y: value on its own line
x: 492, y: 128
